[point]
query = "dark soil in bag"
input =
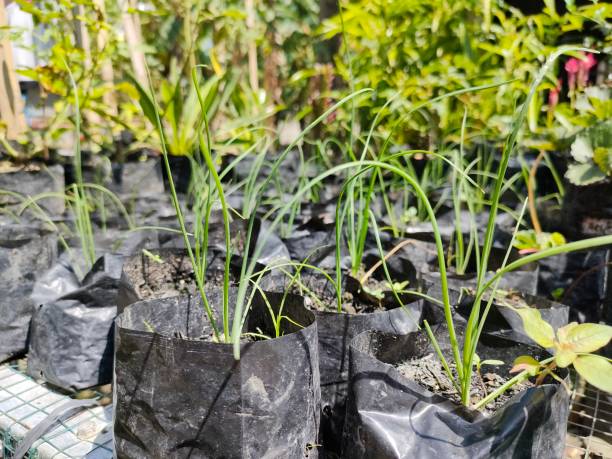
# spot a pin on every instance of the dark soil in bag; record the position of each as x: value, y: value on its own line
x: 164, y: 273
x: 587, y: 210
x: 178, y: 394
x: 71, y: 335
x: 25, y: 253
x: 336, y: 330
x: 397, y: 408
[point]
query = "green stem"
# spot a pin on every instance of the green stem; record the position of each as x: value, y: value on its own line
x: 522, y: 376
x: 206, y: 151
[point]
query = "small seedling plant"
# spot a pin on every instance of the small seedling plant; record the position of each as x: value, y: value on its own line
x: 464, y: 357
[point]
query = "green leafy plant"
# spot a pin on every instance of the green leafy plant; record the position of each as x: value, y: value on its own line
x: 464, y: 358
x: 571, y: 345
x: 422, y: 49
x: 592, y: 153
x: 528, y: 241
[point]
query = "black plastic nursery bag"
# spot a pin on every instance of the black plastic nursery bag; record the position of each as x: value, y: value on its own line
x: 25, y: 253
x: 177, y: 395
x: 71, y: 336
x: 392, y: 417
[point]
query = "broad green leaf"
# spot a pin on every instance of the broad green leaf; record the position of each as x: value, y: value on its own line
x: 584, y: 338
x: 146, y: 102
x: 603, y: 158
x: 564, y: 357
x: 492, y: 362
x: 597, y: 371
x: 584, y: 174
x: 581, y: 150
x: 563, y: 331
x: 535, y: 327
x: 525, y: 363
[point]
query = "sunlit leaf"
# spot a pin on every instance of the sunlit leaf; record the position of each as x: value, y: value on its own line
x: 581, y: 150
x: 597, y: 371
x: 584, y: 174
x: 586, y: 337
x: 535, y: 327
x: 564, y: 358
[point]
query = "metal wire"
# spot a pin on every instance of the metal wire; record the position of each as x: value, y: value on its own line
x: 23, y: 403
x: 589, y: 425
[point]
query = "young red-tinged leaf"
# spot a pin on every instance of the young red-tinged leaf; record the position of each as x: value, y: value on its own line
x: 586, y: 337
x: 525, y: 363
x: 597, y: 370
x: 535, y: 327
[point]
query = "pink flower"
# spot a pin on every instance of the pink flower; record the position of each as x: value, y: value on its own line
x: 553, y: 95
x: 572, y: 66
x: 590, y: 61
x: 578, y: 70
x: 585, y: 66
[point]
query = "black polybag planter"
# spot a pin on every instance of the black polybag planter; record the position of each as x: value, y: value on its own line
x: 335, y: 332
x: 582, y: 278
x: 390, y: 416
x: 178, y: 396
x: 587, y: 210
x: 34, y: 181
x: 71, y: 336
x: 25, y: 253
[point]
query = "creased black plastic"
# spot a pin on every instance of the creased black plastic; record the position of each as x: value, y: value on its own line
x: 49, y: 179
x: 336, y: 330
x: 71, y: 336
x: 25, y: 253
x: 423, y: 256
x: 391, y: 417
x: 176, y: 396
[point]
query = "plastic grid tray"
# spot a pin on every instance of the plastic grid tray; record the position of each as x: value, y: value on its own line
x: 589, y: 427
x: 24, y: 403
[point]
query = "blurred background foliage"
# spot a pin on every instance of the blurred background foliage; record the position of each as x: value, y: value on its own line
x: 269, y: 64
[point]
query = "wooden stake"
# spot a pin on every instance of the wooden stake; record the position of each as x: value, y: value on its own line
x: 252, y: 52
x: 133, y: 38
x: 107, y: 72
x: 11, y: 103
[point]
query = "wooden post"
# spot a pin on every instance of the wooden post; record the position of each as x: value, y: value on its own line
x: 107, y: 72
x: 133, y: 38
x: 84, y: 41
x: 252, y: 51
x: 11, y: 104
